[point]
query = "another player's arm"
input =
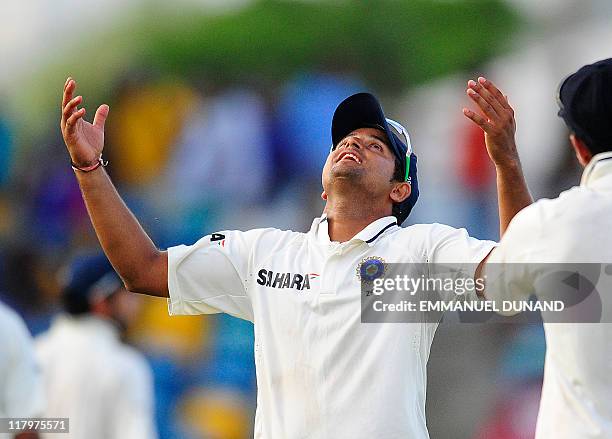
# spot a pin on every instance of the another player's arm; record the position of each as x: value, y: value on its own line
x: 498, y: 123
x: 143, y: 268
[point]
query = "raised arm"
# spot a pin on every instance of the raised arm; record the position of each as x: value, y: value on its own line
x: 143, y: 268
x: 497, y: 121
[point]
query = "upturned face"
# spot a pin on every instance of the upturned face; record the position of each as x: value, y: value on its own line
x: 363, y: 159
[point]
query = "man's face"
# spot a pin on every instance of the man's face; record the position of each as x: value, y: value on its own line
x: 363, y: 159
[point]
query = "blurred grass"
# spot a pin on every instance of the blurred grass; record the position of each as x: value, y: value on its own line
x: 393, y: 43
x: 390, y: 43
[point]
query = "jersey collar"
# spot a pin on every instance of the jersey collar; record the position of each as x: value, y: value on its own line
x: 369, y: 235
x: 598, y: 173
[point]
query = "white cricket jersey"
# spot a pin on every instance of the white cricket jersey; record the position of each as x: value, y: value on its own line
x: 574, y: 228
x: 321, y: 373
x: 104, y: 386
x: 21, y: 391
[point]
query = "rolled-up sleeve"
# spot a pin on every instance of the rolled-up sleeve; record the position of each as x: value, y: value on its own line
x: 211, y: 275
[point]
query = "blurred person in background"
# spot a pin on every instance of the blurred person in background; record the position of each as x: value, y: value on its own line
x: 21, y: 384
x: 305, y: 341
x: 201, y: 151
x: 517, y: 383
x: 101, y: 384
x: 7, y: 150
x: 573, y: 228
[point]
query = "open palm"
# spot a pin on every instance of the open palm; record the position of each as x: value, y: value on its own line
x: 84, y: 140
x: 497, y: 120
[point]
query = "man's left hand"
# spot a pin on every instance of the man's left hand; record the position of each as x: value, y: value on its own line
x: 496, y: 120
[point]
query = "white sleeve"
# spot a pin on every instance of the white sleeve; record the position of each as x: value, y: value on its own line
x: 24, y: 395
x: 133, y: 403
x: 510, y: 271
x: 453, y: 254
x: 211, y: 276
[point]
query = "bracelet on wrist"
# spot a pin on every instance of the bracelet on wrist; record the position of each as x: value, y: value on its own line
x: 99, y: 162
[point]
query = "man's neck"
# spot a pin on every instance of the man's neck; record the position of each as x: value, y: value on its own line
x: 349, y: 217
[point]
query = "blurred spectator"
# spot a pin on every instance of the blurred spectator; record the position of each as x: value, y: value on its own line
x: 454, y: 174
x: 6, y: 151
x: 27, y: 284
x: 306, y: 106
x: 103, y: 386
x: 224, y: 151
x: 476, y: 174
x: 147, y: 120
x: 182, y: 339
x: 231, y: 363
x: 514, y: 417
x: 57, y: 209
x: 217, y: 414
x: 519, y: 386
x: 21, y: 390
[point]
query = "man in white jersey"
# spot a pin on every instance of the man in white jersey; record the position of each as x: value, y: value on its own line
x: 21, y: 384
x: 102, y: 385
x: 574, y: 228
x: 321, y: 373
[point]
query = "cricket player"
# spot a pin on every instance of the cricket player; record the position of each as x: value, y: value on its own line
x: 21, y: 390
x: 321, y: 373
x: 573, y: 228
x: 102, y: 385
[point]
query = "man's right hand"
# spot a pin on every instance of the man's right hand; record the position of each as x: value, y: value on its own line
x: 84, y: 140
x: 143, y: 268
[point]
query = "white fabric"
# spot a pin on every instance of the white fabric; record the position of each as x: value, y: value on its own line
x: 321, y: 373
x: 21, y: 391
x: 574, y: 228
x: 103, y: 386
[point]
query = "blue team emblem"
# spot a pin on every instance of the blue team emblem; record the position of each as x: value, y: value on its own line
x: 371, y: 268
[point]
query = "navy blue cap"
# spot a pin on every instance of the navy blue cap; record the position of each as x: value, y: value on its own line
x: 585, y: 101
x: 363, y: 110
x: 89, y: 277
